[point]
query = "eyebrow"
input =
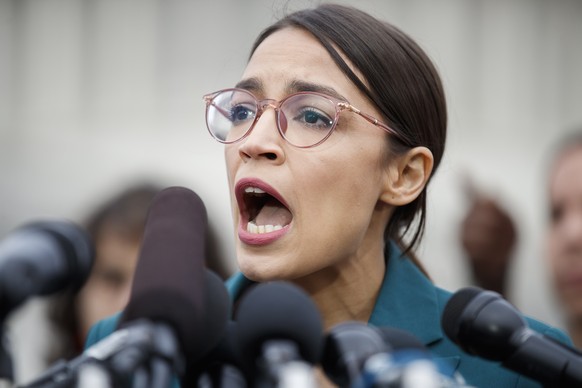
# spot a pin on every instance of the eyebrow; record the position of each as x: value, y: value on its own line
x: 302, y: 86
x: 251, y: 84
x: 255, y: 85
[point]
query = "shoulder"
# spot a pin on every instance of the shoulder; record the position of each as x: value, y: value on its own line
x: 102, y: 329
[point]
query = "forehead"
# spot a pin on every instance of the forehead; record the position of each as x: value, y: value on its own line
x: 291, y: 55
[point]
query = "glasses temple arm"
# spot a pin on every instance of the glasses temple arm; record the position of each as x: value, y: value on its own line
x: 222, y: 111
x: 380, y: 124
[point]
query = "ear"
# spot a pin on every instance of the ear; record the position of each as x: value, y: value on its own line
x: 406, y: 176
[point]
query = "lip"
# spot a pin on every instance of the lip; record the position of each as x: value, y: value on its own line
x: 252, y: 238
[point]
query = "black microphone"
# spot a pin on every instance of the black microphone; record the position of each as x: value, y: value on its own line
x: 221, y: 368
x: 127, y: 348
x: 484, y: 324
x: 278, y: 329
x: 346, y: 348
x: 42, y: 258
x: 177, y: 310
x: 39, y: 259
x: 170, y: 282
x: 409, y: 364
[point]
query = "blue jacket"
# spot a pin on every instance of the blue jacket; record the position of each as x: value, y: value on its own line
x: 408, y: 300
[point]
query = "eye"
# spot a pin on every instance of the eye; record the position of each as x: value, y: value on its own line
x: 312, y: 117
x: 240, y: 113
x: 556, y: 213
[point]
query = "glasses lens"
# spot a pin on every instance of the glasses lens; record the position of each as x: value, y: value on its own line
x: 230, y: 114
x: 307, y: 119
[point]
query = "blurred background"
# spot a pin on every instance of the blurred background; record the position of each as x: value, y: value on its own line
x: 98, y: 94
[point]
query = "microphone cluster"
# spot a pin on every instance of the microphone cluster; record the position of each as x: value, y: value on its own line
x: 177, y: 326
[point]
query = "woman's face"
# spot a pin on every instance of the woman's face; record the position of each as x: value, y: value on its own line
x: 565, y: 231
x: 331, y: 192
x: 108, y: 287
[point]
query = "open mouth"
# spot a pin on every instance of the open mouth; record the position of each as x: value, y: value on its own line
x: 263, y: 212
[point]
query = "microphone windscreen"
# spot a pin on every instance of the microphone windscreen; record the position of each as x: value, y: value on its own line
x: 482, y: 323
x: 216, y: 312
x: 42, y: 258
x: 76, y: 245
x: 169, y: 281
x: 454, y: 309
x: 279, y: 311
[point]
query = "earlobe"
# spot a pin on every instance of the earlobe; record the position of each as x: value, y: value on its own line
x: 407, y: 176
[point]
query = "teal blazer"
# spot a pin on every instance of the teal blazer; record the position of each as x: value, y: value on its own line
x: 408, y: 300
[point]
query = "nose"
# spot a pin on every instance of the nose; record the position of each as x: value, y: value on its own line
x: 264, y: 141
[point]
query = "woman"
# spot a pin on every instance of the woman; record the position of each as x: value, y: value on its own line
x: 564, y: 237
x: 326, y: 185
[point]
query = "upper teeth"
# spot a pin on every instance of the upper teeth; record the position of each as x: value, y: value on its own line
x: 260, y: 229
x: 255, y: 190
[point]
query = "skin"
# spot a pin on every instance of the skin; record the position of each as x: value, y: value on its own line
x: 108, y: 288
x: 341, y: 193
x: 564, y: 238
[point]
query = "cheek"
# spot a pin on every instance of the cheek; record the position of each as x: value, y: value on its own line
x: 231, y: 158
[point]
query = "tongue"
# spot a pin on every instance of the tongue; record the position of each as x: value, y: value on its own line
x: 273, y: 213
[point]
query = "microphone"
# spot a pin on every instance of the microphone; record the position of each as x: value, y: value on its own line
x: 347, y: 346
x: 39, y: 259
x: 125, y: 349
x: 484, y: 324
x: 221, y: 367
x: 409, y: 364
x: 171, y: 283
x: 177, y: 310
x: 42, y: 258
x: 361, y: 356
x: 279, y: 330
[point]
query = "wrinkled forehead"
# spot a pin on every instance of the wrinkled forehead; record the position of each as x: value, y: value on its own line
x: 294, y: 55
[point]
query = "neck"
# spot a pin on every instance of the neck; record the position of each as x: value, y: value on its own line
x: 347, y: 292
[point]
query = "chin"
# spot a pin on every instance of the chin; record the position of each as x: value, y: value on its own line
x: 259, y: 272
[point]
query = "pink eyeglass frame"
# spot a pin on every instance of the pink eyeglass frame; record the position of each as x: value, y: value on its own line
x: 262, y: 105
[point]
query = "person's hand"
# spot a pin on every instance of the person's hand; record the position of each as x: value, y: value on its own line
x: 488, y: 236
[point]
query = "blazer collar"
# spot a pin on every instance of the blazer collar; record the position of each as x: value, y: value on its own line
x: 407, y: 298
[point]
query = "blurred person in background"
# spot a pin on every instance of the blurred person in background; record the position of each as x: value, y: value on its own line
x: 488, y: 235
x: 564, y: 231
x: 116, y: 228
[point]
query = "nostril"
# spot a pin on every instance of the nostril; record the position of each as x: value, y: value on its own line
x: 270, y: 156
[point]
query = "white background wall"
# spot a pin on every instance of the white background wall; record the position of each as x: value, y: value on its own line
x: 95, y: 94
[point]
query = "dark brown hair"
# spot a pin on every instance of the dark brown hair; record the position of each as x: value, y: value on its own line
x: 403, y: 84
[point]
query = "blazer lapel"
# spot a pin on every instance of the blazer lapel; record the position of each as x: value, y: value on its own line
x: 407, y: 300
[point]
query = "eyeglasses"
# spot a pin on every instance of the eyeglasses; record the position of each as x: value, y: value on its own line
x: 304, y: 119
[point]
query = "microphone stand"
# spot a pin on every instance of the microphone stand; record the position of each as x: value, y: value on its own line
x: 144, y: 354
x: 6, y: 367
x: 281, y: 367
